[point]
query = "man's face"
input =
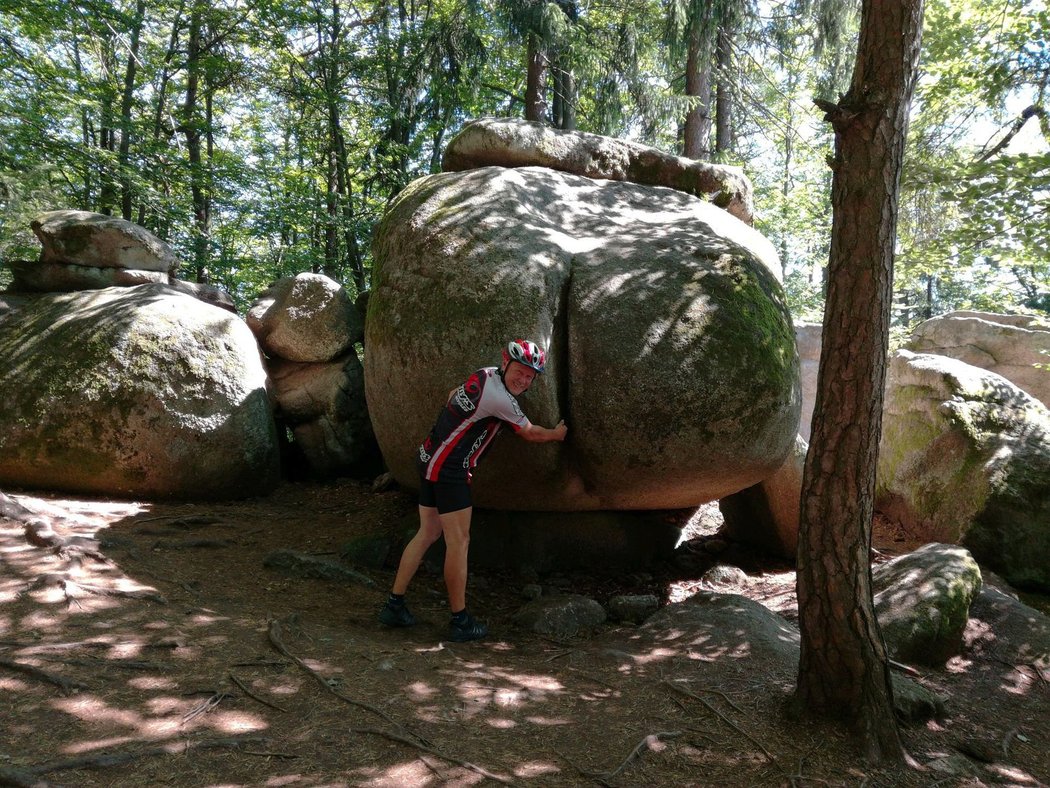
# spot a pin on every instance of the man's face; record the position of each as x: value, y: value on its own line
x: 518, y: 377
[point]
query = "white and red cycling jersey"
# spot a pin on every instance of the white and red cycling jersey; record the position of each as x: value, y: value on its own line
x: 466, y: 426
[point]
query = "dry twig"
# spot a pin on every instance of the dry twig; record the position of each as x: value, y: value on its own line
x: 422, y: 747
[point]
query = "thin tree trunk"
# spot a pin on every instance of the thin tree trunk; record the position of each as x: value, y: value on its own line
x: 724, y: 95
x: 126, y: 103
x: 697, y: 132
x: 536, y: 81
x: 843, y: 668
x: 191, y: 126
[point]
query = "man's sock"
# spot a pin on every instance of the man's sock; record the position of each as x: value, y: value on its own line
x: 460, y: 617
x: 396, y: 600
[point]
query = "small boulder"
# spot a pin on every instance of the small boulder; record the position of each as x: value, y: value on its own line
x: 562, y: 616
x: 306, y: 317
x: 90, y: 239
x: 1014, y: 346
x: 635, y: 608
x: 922, y: 602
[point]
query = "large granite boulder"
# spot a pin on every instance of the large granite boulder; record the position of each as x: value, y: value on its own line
x: 506, y: 142
x: 306, y: 317
x: 1014, y: 346
x: 135, y: 392
x: 672, y: 356
x: 965, y: 458
x: 922, y: 601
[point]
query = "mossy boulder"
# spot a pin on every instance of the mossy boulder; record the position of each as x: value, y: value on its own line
x: 671, y: 352
x: 922, y: 601
x: 133, y: 392
x: 965, y: 459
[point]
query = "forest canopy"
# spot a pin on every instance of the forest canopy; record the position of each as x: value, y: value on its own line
x: 266, y: 138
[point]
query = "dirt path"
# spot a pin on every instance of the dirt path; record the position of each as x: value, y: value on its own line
x: 156, y: 649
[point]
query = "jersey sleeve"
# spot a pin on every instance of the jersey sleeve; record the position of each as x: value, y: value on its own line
x: 497, y: 402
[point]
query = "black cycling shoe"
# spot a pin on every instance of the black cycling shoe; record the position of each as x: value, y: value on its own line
x: 396, y: 616
x: 468, y: 629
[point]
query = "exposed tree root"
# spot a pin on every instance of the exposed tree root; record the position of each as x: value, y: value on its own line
x: 66, y: 685
x: 650, y: 742
x: 119, y: 758
x: 727, y: 721
x: 424, y: 748
x: 274, y: 632
x: 253, y: 696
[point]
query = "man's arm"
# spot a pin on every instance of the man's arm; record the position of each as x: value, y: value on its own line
x: 534, y: 433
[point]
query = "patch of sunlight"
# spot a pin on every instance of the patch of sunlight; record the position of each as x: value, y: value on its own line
x: 1012, y: 775
x: 655, y: 655
x: 95, y: 711
x: 233, y: 721
x: 530, y: 681
x: 958, y: 664
x: 413, y: 772
x: 1017, y: 682
x: 419, y: 690
x: 165, y: 705
x: 153, y: 683
x: 571, y: 244
x: 432, y: 714
x: 502, y: 724
x: 536, y: 769
x: 299, y: 779
x: 289, y: 687
x: 548, y: 721
x: 204, y: 619
x: 41, y: 619
x: 12, y: 685
x: 97, y: 744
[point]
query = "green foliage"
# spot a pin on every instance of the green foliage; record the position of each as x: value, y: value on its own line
x: 313, y: 116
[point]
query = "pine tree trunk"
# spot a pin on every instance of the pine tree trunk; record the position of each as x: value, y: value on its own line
x: 536, y: 81
x: 843, y: 669
x: 126, y: 103
x: 697, y: 132
x: 724, y: 95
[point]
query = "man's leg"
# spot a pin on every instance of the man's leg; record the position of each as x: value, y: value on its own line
x: 456, y: 527
x: 430, y: 527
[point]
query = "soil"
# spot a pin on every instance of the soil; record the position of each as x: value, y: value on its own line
x: 146, y: 644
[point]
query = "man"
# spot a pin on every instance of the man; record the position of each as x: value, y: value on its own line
x: 471, y: 418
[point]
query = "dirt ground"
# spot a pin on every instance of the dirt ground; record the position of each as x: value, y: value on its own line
x: 156, y: 649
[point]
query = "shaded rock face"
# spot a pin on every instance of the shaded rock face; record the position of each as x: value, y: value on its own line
x: 922, y: 602
x: 1014, y: 346
x: 506, y: 142
x: 307, y: 326
x: 965, y: 458
x: 671, y: 352
x: 135, y: 392
x: 767, y: 515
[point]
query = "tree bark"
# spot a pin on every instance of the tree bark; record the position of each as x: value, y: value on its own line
x: 697, y: 132
x: 843, y: 668
x: 536, y: 81
x: 126, y: 104
x: 192, y: 130
x: 724, y: 95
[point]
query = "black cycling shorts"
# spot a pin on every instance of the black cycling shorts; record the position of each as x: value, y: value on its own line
x: 446, y: 497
